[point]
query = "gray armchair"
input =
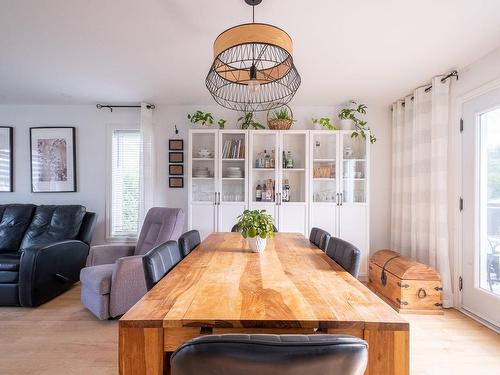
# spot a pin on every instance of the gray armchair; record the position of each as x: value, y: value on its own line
x: 113, y: 280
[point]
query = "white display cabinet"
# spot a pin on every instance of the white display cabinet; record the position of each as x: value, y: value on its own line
x: 339, y: 186
x: 328, y: 181
x: 290, y: 214
x: 217, y: 179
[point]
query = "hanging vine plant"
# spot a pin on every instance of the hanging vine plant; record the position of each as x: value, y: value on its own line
x: 360, y: 126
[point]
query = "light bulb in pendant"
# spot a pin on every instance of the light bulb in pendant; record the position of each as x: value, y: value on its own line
x: 253, y: 84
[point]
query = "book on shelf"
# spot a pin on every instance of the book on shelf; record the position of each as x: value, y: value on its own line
x: 233, y: 149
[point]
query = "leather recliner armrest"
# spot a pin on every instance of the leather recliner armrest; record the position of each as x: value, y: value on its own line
x: 47, y: 271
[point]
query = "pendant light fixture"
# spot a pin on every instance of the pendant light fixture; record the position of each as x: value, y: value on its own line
x: 253, y: 67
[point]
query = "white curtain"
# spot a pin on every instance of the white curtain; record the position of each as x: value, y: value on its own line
x: 147, y: 173
x: 419, y: 218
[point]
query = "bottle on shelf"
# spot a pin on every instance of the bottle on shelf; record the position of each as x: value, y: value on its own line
x: 286, y: 191
x: 267, y: 160
x: 289, y: 160
x: 273, y: 191
x: 258, y: 192
x: 263, y: 196
x: 272, y: 161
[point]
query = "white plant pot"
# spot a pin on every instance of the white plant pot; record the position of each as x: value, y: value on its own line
x: 257, y: 244
x: 346, y: 124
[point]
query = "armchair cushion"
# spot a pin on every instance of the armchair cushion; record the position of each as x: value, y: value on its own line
x: 10, y: 262
x: 160, y: 225
x: 108, y: 254
x: 98, y: 278
x: 14, y: 220
x: 52, y: 224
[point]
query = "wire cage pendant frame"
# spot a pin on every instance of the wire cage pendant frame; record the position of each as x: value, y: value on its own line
x: 253, y: 68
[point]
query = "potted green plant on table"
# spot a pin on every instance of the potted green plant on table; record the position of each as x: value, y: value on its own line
x: 349, y: 120
x: 256, y: 226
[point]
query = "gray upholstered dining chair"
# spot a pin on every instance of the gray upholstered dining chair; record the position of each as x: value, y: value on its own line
x: 113, y: 280
x: 158, y: 261
x: 319, y: 237
x: 188, y: 241
x: 345, y: 254
x: 263, y: 354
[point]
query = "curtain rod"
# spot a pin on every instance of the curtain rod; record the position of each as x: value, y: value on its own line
x: 110, y: 107
x: 451, y: 74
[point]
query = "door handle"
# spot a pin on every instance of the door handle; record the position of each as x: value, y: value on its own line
x: 341, y: 199
x: 338, y: 200
x: 280, y: 198
x: 215, y: 198
x: 219, y: 197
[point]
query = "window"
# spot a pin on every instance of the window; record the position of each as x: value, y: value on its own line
x: 123, y: 208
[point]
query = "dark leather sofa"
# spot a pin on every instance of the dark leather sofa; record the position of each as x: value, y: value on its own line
x: 42, y: 250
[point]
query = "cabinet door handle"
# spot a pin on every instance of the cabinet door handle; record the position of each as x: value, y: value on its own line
x: 341, y: 199
x: 215, y: 198
x: 280, y: 198
x: 218, y: 198
x: 338, y: 200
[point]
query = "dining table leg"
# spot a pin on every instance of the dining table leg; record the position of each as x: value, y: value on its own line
x: 141, y: 351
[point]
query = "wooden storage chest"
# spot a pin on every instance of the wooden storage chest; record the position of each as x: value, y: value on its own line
x: 406, y: 285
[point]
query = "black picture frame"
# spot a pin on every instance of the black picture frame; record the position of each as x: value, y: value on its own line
x: 176, y: 169
x: 10, y: 141
x: 176, y: 144
x: 175, y: 157
x: 73, y: 183
x: 176, y: 182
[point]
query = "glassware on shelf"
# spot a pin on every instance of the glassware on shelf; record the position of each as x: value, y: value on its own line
x: 289, y: 160
x: 272, y: 161
x: 348, y: 153
x: 258, y: 192
x: 267, y: 160
x: 285, y: 191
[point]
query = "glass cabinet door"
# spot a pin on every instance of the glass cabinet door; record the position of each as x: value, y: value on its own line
x: 204, y: 167
x: 354, y: 169
x: 232, y: 151
x: 293, y: 167
x: 324, y: 167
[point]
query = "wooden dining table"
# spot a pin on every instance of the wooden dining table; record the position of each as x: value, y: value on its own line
x: 291, y: 287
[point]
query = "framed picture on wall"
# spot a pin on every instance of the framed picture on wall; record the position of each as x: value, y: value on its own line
x: 176, y: 169
x: 176, y: 157
x: 6, y: 159
x: 53, y: 159
x: 176, y: 144
x: 176, y: 182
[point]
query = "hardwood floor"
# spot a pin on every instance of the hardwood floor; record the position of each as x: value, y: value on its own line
x: 61, y: 337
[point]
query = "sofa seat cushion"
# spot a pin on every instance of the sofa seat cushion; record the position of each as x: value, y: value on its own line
x: 53, y: 224
x: 14, y: 220
x: 10, y: 262
x: 7, y: 277
x: 97, y: 278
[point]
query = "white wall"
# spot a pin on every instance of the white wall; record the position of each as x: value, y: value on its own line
x: 379, y: 118
x: 90, y: 126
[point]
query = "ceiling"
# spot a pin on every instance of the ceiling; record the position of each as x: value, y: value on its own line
x: 120, y: 51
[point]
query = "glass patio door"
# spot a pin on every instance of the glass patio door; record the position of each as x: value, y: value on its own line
x: 481, y: 209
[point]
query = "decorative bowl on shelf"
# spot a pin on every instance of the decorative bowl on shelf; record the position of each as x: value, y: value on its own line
x: 204, y: 153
